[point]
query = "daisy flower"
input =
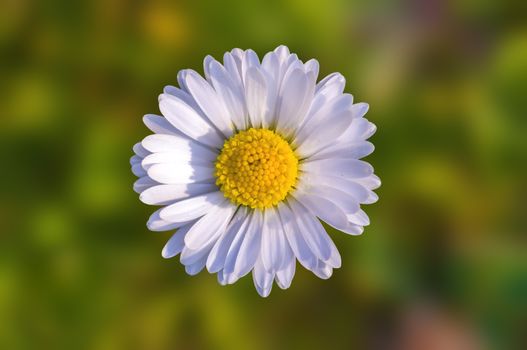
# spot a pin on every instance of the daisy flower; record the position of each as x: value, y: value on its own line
x: 246, y: 163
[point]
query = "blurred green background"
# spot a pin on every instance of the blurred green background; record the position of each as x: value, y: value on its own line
x: 442, y: 266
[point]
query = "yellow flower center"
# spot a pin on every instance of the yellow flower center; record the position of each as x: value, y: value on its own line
x: 256, y: 168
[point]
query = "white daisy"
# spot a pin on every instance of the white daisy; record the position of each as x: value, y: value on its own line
x: 246, y: 161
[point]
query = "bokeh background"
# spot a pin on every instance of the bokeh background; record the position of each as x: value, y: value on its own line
x: 442, y: 266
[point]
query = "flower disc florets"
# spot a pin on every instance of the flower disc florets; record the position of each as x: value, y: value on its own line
x: 256, y: 168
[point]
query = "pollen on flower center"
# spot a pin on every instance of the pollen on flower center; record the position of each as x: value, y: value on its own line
x: 256, y: 168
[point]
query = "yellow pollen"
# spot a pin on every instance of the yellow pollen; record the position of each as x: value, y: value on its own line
x: 256, y: 168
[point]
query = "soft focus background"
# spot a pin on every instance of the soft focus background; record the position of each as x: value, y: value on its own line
x: 442, y: 266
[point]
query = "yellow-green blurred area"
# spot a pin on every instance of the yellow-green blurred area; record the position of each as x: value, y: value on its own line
x: 443, y: 264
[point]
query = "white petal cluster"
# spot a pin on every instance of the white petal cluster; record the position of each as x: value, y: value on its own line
x: 326, y: 129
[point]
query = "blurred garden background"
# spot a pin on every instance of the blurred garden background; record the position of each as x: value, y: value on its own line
x: 442, y: 266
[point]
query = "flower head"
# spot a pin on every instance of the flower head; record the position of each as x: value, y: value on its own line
x: 246, y: 161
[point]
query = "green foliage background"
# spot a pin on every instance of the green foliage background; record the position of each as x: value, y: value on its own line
x: 444, y: 259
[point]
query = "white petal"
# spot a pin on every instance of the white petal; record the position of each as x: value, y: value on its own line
x: 241, y: 246
x: 286, y: 62
x: 159, y: 143
x: 164, y: 194
x: 233, y: 68
x: 312, y: 66
x: 207, y: 99
x: 263, y: 280
x: 295, y: 238
x: 359, y: 130
x: 284, y: 276
x: 326, y: 103
x: 325, y: 126
x: 175, y: 244
x: 231, y: 92
x: 265, y: 291
x: 135, y: 159
x: 249, y: 60
x: 158, y: 224
x: 182, y: 93
x: 256, y: 95
x: 144, y: 183
x: 353, y: 150
x: 271, y: 72
x: 181, y: 173
x: 334, y: 260
x: 159, y: 125
x: 295, y: 97
x: 191, y: 256
x: 323, y: 208
x: 359, y: 218
x: 138, y: 170
x: 210, y: 226
x: 331, y: 86
x: 354, y: 189
x: 371, y: 182
x: 291, y: 64
x: 179, y: 157
x: 238, y: 53
x: 282, y: 52
x: 192, y: 208
x: 359, y: 111
x: 249, y: 249
x: 332, y: 211
x: 181, y: 79
x: 218, y: 254
x: 346, y: 168
x: 196, y: 268
x: 351, y: 229
x: 312, y: 230
x: 325, y: 91
x: 354, y: 230
x: 140, y: 150
x: 233, y: 64
x: 343, y: 200
x: 207, y: 61
x: 189, y: 122
x: 221, y: 278
x: 273, y: 241
x: 372, y: 198
x: 323, y: 270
